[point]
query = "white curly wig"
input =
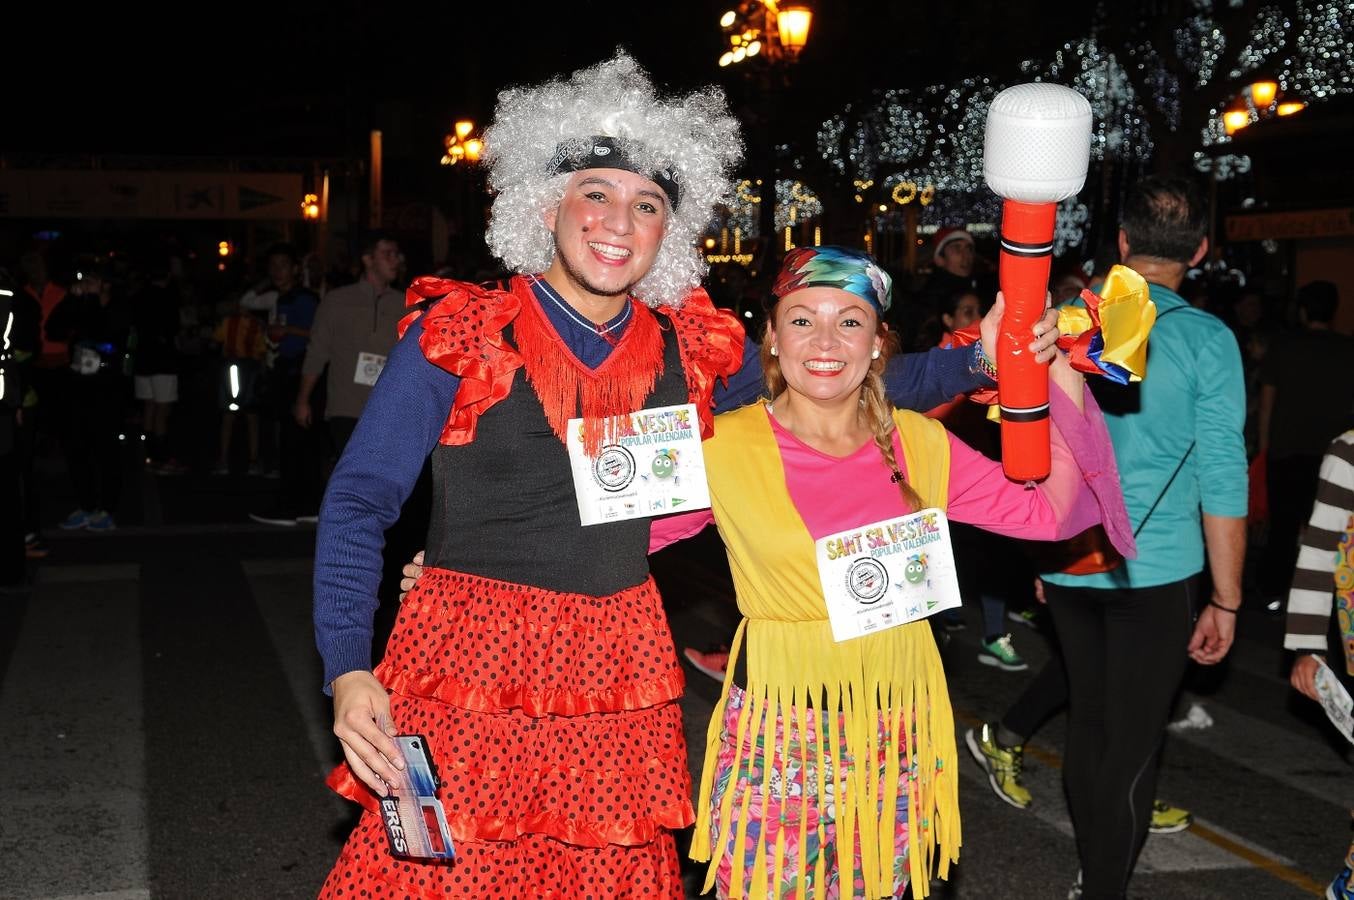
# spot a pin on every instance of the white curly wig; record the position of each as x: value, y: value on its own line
x: 695, y: 136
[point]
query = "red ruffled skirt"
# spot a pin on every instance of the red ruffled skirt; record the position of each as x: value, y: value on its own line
x: 552, y: 723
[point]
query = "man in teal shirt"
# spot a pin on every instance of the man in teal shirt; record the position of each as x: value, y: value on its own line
x: 1126, y: 634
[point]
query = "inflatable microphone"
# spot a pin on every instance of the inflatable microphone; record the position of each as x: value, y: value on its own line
x: 1035, y: 153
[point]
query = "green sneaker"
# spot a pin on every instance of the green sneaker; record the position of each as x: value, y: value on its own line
x: 1002, y: 765
x: 1002, y: 654
x: 1168, y: 819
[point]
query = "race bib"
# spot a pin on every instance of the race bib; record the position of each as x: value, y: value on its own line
x: 888, y: 573
x: 655, y: 467
x: 1335, y: 700
x: 369, y: 367
x: 86, y: 360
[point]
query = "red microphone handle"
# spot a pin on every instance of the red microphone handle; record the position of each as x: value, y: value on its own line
x: 1022, y: 383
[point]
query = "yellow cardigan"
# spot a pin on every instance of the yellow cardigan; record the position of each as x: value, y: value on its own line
x: 792, y: 661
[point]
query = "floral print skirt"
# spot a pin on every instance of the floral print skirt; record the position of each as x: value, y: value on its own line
x: 776, y: 807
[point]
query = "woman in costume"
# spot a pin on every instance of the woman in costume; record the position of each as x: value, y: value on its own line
x: 830, y: 765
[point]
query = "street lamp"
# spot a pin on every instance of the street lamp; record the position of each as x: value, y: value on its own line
x: 1261, y: 99
x: 773, y: 30
x: 461, y: 143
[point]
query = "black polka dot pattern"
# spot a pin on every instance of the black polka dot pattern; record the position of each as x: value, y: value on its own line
x: 492, y: 646
x: 551, y: 721
x: 533, y: 867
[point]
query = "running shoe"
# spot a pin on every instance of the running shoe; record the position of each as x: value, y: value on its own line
x: 75, y: 521
x: 100, y: 521
x: 34, y: 548
x: 1196, y: 719
x: 1002, y: 764
x: 1002, y: 654
x: 713, y: 662
x: 953, y: 621
x: 1168, y: 819
x: 1027, y: 617
x: 1339, y: 888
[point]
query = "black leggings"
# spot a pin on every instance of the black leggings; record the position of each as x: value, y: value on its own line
x: 1125, y: 650
x: 1042, y: 697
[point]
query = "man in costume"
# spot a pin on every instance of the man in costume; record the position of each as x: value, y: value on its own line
x: 533, y: 654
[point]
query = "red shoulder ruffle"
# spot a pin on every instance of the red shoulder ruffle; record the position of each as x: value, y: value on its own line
x: 463, y: 334
x: 711, y: 343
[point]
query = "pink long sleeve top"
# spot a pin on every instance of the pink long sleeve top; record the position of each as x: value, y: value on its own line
x: 1081, y: 490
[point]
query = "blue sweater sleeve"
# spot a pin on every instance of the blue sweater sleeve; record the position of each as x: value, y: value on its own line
x: 921, y: 381
x: 1219, y: 416
x: 745, y: 385
x: 917, y: 381
x: 399, y: 428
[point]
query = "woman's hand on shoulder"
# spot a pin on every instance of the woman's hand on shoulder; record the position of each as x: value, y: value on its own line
x: 363, y: 725
x: 412, y: 571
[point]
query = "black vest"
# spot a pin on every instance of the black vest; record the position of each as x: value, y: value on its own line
x: 504, y: 504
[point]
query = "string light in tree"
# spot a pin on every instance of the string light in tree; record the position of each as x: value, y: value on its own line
x: 930, y: 139
x: 915, y: 133
x: 796, y: 204
x: 1070, y: 227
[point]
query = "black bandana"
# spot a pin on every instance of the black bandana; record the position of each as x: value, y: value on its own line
x: 602, y: 152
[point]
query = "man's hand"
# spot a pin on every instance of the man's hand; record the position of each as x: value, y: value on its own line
x: 412, y: 571
x: 1039, y: 591
x: 1212, y: 636
x: 1045, y: 330
x: 302, y: 414
x: 1303, y: 676
x: 363, y: 725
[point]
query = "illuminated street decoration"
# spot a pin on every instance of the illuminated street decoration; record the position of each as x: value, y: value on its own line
x: 915, y: 146
x: 1070, y: 226
x: 934, y: 135
x: 796, y: 204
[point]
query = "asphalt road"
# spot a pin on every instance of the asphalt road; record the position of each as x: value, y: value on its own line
x: 164, y: 735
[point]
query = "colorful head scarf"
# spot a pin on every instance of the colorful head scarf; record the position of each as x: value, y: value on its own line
x: 853, y: 271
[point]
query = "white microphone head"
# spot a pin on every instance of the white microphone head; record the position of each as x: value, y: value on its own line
x: 1037, y: 144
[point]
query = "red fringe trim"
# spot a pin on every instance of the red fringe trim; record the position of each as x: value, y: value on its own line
x: 463, y: 334
x: 711, y: 342
x: 565, y: 386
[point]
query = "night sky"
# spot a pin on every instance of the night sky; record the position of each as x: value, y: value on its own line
x: 310, y: 79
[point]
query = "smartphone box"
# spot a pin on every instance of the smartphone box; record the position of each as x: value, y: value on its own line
x: 413, y: 817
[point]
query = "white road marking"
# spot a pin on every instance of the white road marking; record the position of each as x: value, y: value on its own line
x: 74, y: 746
x: 282, y: 593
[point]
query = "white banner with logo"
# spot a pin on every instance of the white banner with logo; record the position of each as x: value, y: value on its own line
x: 888, y: 573
x: 655, y: 466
